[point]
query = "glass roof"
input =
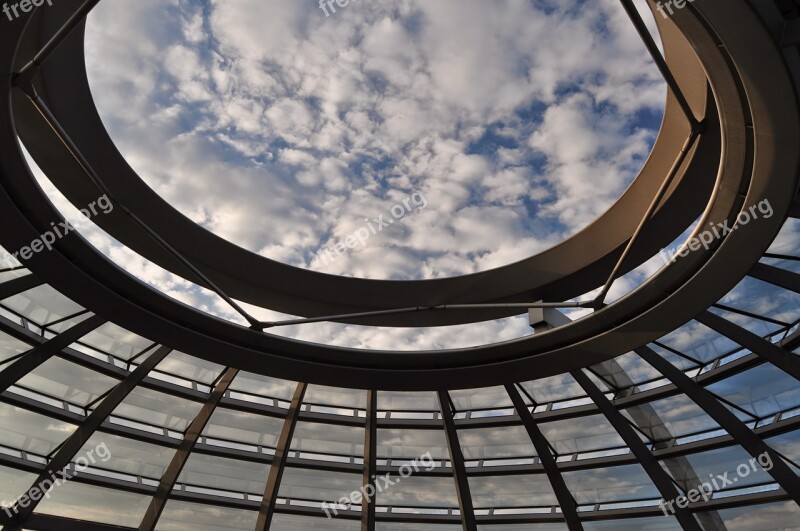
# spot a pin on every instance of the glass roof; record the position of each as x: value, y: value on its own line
x: 225, y: 476
x: 332, y: 111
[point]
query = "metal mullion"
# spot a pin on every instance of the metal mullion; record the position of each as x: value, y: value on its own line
x: 18, y: 285
x: 565, y: 499
x: 662, y: 481
x: 776, y: 276
x: 370, y: 461
x: 52, y: 45
x: 745, y: 313
x: 40, y: 354
x: 87, y: 168
x: 466, y: 508
x: 737, y: 429
x: 267, y: 509
x: 755, y: 344
x: 67, y: 318
x: 680, y: 354
x: 673, y: 172
x: 69, y: 448
x: 183, y: 452
x: 661, y: 63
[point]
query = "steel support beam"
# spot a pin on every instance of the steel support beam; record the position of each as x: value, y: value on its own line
x: 75, y: 442
x: 757, y: 345
x: 563, y: 495
x: 267, y: 509
x: 752, y: 443
x: 776, y: 276
x: 370, y: 461
x: 459, y: 469
x: 175, y: 467
x: 38, y: 355
x: 650, y: 464
x: 15, y: 286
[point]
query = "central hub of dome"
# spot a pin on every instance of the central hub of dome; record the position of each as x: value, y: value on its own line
x: 388, y: 140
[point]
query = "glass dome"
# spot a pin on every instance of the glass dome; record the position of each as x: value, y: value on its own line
x: 648, y: 378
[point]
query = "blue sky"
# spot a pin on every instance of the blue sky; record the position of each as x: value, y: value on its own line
x: 282, y: 130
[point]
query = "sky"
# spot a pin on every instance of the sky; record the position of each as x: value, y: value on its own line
x: 503, y: 129
x: 282, y: 129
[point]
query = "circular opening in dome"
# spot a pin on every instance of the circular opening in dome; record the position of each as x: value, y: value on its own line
x: 392, y: 140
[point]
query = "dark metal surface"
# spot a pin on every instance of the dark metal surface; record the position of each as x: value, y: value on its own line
x: 563, y: 495
x: 648, y: 461
x: 752, y: 443
x: 370, y: 461
x: 183, y: 452
x: 267, y: 508
x: 459, y: 469
x: 86, y: 429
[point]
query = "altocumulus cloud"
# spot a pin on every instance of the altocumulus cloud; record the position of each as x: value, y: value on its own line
x: 282, y: 130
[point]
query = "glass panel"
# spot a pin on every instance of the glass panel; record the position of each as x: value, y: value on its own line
x: 225, y: 474
x: 416, y: 401
x: 584, y: 434
x: 7, y: 260
x: 531, y: 490
x: 620, y: 483
x: 5, y: 276
x: 10, y: 346
x: 112, y: 339
x: 68, y: 381
x: 403, y: 526
x: 292, y: 522
x: 184, y: 516
x: 783, y: 263
x: 158, y: 409
x: 317, y: 485
x: 334, y: 396
x: 42, y: 305
x: 788, y: 445
x: 763, y: 390
x: 31, y: 432
x: 658, y: 523
x: 780, y: 516
x: 732, y: 463
x: 627, y: 370
x: 697, y: 341
x: 524, y: 527
x: 129, y: 456
x: 788, y: 239
x: 329, y: 439
x: 496, y: 443
x: 257, y: 384
x: 95, y: 504
x: 409, y: 444
x: 760, y: 298
x: 419, y: 491
x: 190, y: 367
x: 486, y: 398
x: 671, y: 417
x: 554, y: 389
x: 243, y: 427
x: 13, y: 483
